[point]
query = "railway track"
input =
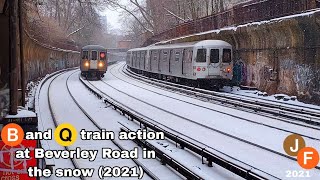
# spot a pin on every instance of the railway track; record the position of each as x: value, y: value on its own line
x: 283, y: 112
x: 229, y: 114
x: 56, y: 123
x: 246, y: 171
x: 38, y: 108
x: 56, y: 120
x: 209, y: 154
x: 216, y: 130
x: 149, y: 173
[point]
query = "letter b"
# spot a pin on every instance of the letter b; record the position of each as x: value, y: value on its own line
x: 12, y: 134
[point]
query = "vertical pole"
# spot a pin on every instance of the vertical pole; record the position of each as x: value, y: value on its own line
x: 13, y: 57
x: 23, y: 83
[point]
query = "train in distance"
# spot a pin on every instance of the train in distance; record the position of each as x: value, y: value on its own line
x: 206, y: 63
x: 93, y: 62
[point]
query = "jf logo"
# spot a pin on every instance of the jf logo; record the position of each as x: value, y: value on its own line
x: 12, y: 135
x: 307, y: 157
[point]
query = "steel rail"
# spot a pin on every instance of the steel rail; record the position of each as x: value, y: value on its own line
x: 228, y: 114
x: 165, y: 159
x: 258, y: 106
x: 74, y: 162
x: 202, y: 151
x: 100, y: 128
x: 207, y: 98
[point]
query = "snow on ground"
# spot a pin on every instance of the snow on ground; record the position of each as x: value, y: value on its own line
x: 22, y: 112
x: 188, y: 159
x: 106, y: 117
x: 201, y: 114
x: 148, y: 98
x: 280, y: 99
x: 66, y: 111
x: 264, y: 136
x: 31, y: 90
x: 45, y: 123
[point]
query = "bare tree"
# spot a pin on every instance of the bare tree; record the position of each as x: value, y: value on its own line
x: 137, y: 11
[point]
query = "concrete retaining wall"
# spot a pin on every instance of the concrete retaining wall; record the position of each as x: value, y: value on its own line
x: 41, y: 60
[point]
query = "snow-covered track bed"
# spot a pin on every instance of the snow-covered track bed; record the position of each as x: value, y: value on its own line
x: 56, y: 123
x: 200, y: 123
x: 274, y: 124
x: 206, y: 99
x: 219, y: 158
x: 280, y: 110
x: 46, y: 121
x: 62, y: 107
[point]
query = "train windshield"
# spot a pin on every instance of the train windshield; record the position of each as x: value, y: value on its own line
x: 201, y: 55
x: 226, y: 56
x: 85, y: 55
x: 94, y: 55
x: 214, y: 56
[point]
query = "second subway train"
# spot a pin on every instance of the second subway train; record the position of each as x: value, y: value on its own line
x: 205, y: 63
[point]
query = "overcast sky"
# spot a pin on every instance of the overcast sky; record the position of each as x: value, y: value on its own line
x: 113, y: 17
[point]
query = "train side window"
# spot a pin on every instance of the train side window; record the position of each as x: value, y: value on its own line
x: 85, y: 55
x: 165, y: 56
x: 190, y: 55
x: 138, y: 56
x: 226, y: 56
x: 214, y: 56
x: 201, y: 55
x: 177, y: 58
x: 94, y: 55
x: 134, y: 56
x: 155, y: 58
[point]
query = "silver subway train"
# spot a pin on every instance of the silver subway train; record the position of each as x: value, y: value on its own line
x: 205, y: 63
x: 94, y: 62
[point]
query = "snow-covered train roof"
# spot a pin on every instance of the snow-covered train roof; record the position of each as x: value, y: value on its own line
x: 186, y: 45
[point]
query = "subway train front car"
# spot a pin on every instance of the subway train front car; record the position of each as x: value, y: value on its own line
x: 93, y: 61
x: 206, y: 64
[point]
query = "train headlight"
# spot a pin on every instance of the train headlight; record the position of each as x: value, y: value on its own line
x: 86, y: 64
x: 101, y: 64
x: 228, y: 70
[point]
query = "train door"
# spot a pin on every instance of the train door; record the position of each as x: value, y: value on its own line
x: 170, y: 59
x: 159, y: 60
x: 94, y: 58
x: 187, y: 62
x: 162, y: 54
x: 147, y: 64
x: 155, y: 61
x: 165, y: 62
x: 214, y: 62
x: 177, y: 61
x: 138, y: 59
x: 134, y: 59
x: 143, y: 57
